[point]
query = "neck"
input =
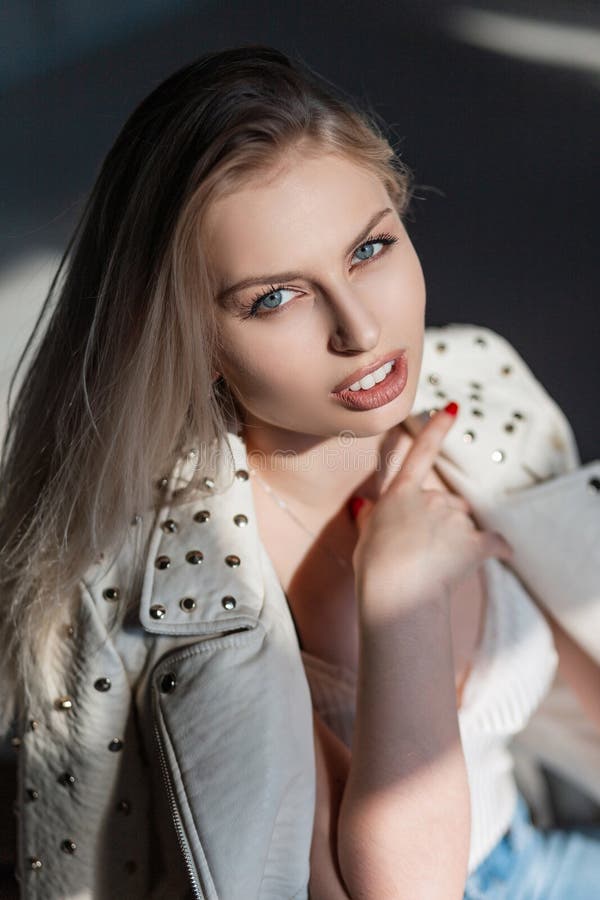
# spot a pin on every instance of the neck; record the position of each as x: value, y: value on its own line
x: 311, y: 471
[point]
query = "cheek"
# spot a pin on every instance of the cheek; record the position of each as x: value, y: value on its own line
x: 255, y: 368
x: 415, y: 283
x: 415, y: 275
x: 401, y: 290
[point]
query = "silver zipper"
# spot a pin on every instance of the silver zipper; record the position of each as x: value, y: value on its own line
x: 176, y: 818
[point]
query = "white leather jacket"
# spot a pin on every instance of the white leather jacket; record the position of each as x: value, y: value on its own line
x: 178, y: 758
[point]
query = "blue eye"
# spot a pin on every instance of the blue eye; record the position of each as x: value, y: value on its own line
x: 370, y: 254
x: 270, y: 300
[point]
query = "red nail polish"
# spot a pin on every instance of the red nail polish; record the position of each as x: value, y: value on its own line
x: 451, y: 408
x: 354, y: 504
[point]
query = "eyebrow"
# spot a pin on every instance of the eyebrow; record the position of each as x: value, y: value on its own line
x: 227, y: 292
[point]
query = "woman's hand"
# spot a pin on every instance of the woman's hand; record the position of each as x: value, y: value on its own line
x: 414, y: 544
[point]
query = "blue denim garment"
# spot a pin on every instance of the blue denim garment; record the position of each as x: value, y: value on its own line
x: 530, y: 863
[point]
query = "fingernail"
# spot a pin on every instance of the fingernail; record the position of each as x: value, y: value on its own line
x: 354, y: 504
x: 451, y: 408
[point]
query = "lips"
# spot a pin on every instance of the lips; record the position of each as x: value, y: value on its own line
x: 366, y: 370
x: 380, y: 394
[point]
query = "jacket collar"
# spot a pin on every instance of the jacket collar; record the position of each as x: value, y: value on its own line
x: 203, y: 573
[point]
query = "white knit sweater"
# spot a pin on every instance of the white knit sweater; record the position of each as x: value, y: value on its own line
x: 513, y: 669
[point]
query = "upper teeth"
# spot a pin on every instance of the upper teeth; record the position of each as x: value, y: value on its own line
x: 373, y: 378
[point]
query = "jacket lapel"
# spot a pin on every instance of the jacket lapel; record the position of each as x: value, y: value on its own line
x: 203, y: 574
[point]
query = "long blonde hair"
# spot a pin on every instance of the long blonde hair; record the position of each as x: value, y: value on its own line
x: 120, y: 382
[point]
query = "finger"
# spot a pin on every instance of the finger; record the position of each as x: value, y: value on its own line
x: 425, y: 448
x: 447, y: 498
x: 360, y: 508
x: 494, y: 544
x: 457, y: 502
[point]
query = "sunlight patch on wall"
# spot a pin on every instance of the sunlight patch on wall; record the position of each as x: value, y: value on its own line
x: 24, y: 284
x: 536, y: 40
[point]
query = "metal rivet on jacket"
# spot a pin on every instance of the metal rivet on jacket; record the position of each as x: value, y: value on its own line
x: 202, y: 515
x: 229, y: 602
x: 498, y: 455
x: 187, y: 604
x: 240, y: 520
x: 157, y: 611
x: 35, y: 863
x: 481, y: 341
x: 440, y: 347
x: 594, y: 485
x: 477, y: 412
x: 115, y: 744
x: 241, y: 475
x: 433, y: 378
x: 194, y: 557
x: 68, y: 846
x: 162, y: 562
x: 169, y: 526
x: 111, y: 593
x: 468, y: 437
x: 476, y: 385
x: 208, y: 483
x: 102, y: 684
x: 67, y: 778
x: 506, y: 370
x: 64, y: 703
x: 32, y: 794
x: 232, y: 560
x: 168, y: 683
x: 33, y: 724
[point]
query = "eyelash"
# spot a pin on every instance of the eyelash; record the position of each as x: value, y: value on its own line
x: 251, y: 308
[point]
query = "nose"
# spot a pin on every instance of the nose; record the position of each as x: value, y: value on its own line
x: 354, y: 327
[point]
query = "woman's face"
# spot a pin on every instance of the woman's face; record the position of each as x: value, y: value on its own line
x: 346, y: 298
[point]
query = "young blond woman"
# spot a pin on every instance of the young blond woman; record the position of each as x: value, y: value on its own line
x: 256, y: 643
